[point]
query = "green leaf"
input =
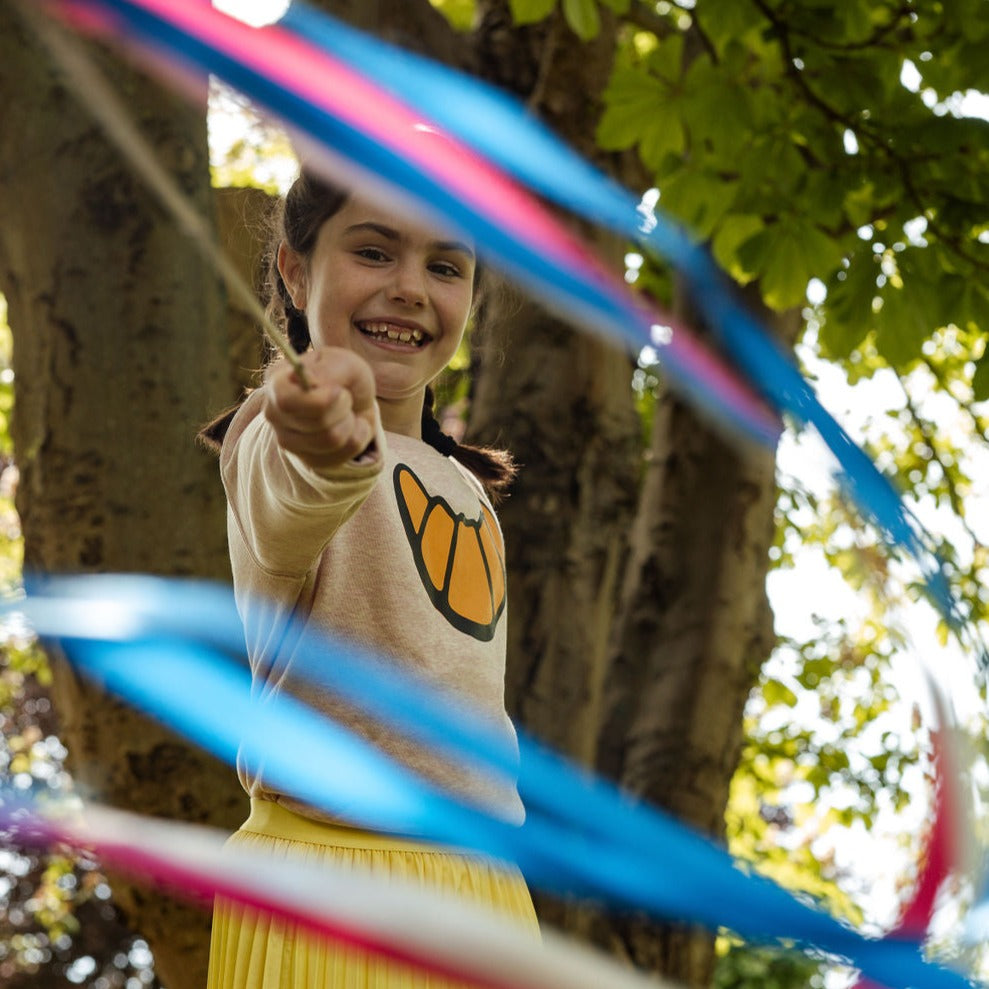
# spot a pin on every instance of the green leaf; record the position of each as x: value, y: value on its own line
x: 901, y: 327
x: 700, y: 199
x: 638, y: 111
x: 771, y: 171
x: 960, y: 300
x: 662, y: 135
x: 848, y: 311
x: 784, y: 279
x: 976, y: 312
x: 860, y: 204
x: 716, y: 110
x: 824, y: 192
x: 731, y: 233
x: 459, y: 13
x: 785, y: 256
x: 666, y: 60
x: 838, y: 337
x: 583, y: 17
x: 753, y: 252
x: 620, y: 7
x: 531, y: 11
x: 858, y: 81
x: 776, y: 692
x: 724, y: 21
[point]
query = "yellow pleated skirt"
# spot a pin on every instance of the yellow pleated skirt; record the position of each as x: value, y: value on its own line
x: 250, y: 949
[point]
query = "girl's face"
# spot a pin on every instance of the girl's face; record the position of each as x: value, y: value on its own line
x: 397, y: 294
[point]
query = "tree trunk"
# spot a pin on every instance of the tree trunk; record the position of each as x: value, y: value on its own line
x: 561, y: 402
x: 694, y: 629
x: 119, y: 356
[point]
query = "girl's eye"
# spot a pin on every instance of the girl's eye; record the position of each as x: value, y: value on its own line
x: 446, y: 269
x: 372, y: 254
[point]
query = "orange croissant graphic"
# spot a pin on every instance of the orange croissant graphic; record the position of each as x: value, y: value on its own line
x: 461, y: 561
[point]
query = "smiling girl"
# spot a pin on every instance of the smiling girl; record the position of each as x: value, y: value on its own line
x: 349, y: 509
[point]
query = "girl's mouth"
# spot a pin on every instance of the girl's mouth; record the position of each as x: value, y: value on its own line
x: 393, y: 333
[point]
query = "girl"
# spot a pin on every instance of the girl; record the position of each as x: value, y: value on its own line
x: 349, y: 508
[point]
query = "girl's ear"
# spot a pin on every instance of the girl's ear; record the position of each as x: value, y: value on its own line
x: 292, y: 268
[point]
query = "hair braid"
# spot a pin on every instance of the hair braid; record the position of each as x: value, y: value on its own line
x: 495, y: 469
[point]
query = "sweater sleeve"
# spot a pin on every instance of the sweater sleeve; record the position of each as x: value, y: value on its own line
x: 284, y: 511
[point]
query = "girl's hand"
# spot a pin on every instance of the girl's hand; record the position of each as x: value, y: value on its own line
x: 333, y: 420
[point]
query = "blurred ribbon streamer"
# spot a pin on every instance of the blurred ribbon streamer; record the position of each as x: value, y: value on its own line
x: 148, y: 640
x: 437, y: 933
x: 351, y: 129
x: 390, y: 120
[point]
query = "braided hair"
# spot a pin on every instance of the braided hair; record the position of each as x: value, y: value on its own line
x: 309, y: 203
x: 495, y: 469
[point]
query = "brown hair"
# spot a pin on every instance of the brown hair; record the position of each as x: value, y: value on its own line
x: 309, y: 203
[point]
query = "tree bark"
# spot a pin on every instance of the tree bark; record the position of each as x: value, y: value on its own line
x: 693, y: 631
x: 561, y: 402
x: 119, y: 356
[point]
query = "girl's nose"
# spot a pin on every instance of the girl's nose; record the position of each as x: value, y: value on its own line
x: 408, y: 284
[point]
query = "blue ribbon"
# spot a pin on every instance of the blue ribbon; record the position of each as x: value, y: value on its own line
x: 501, y: 129
x: 498, y: 127
x: 565, y: 289
x: 171, y: 649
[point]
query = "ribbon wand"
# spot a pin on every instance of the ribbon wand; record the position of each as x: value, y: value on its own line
x: 104, y: 105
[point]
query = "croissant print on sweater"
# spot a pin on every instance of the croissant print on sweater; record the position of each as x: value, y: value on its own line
x: 461, y: 561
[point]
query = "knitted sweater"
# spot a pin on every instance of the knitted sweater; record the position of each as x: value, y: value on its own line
x: 399, y: 553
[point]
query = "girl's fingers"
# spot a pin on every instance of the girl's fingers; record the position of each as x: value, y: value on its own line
x: 314, y: 439
x: 316, y: 412
x: 330, y: 421
x: 344, y: 442
x: 327, y: 371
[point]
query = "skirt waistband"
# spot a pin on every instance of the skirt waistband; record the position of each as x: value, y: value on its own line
x: 270, y: 818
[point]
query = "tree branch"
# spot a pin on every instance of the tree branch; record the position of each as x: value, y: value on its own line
x: 930, y: 437
x: 645, y: 17
x: 412, y: 24
x: 875, y: 40
x: 552, y: 41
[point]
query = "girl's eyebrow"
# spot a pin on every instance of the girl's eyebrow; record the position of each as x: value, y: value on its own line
x: 390, y: 233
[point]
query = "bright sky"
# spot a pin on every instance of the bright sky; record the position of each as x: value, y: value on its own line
x: 256, y: 12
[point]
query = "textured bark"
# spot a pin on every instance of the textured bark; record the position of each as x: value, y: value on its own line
x: 119, y: 355
x: 561, y: 402
x: 694, y: 628
x: 411, y: 24
x: 243, y: 219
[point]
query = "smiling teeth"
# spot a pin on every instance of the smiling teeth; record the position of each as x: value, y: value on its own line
x: 398, y: 334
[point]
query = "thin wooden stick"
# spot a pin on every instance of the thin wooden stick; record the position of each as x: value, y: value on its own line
x: 93, y: 91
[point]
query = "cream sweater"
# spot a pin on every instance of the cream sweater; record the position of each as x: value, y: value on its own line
x: 400, y: 554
